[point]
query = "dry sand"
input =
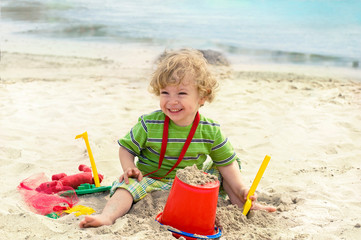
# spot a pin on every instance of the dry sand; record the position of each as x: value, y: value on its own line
x: 192, y: 176
x: 307, y: 119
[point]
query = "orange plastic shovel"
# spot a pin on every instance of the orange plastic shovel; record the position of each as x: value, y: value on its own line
x: 257, y: 179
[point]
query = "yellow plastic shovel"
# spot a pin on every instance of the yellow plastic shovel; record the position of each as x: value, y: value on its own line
x: 257, y: 179
x: 87, y: 188
x: 92, y: 162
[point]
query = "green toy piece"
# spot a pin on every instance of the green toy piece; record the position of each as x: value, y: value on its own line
x: 53, y: 215
x: 87, y: 188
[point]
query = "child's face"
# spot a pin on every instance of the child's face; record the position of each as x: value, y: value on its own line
x: 181, y: 103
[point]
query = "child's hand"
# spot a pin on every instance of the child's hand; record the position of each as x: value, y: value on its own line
x: 131, y: 172
x: 255, y: 205
x: 253, y: 198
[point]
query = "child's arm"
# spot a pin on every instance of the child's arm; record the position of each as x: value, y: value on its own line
x: 236, y: 189
x: 128, y: 165
x: 233, y: 181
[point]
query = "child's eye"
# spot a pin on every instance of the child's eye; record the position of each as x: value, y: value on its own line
x: 163, y: 92
x: 182, y: 93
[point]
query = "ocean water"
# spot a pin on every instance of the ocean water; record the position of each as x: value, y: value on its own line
x: 316, y: 32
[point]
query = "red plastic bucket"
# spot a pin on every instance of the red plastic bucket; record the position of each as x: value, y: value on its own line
x: 191, y: 209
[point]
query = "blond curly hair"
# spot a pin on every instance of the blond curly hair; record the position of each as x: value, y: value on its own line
x: 173, y: 68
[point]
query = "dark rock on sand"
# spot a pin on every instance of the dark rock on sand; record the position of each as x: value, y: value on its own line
x: 214, y: 57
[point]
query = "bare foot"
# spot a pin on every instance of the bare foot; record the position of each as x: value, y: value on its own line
x: 94, y: 221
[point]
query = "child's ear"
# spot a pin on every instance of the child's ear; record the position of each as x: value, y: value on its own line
x: 202, y: 101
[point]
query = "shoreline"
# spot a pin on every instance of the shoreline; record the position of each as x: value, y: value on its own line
x: 306, y: 119
x: 112, y: 50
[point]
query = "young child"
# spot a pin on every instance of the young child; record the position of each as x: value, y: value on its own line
x: 172, y: 138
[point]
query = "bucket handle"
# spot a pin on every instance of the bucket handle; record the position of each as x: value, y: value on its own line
x: 197, y: 236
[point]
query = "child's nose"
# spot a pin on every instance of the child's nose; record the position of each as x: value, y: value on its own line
x: 174, y: 103
x: 174, y: 100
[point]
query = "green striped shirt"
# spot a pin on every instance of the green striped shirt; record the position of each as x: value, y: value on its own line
x: 145, y: 139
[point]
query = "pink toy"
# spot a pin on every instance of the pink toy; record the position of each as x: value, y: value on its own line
x: 62, y: 182
x: 41, y: 202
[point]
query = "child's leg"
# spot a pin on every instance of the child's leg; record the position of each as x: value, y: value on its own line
x: 118, y: 205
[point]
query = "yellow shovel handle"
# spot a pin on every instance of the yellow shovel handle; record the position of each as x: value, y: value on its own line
x: 92, y: 162
x: 255, y: 183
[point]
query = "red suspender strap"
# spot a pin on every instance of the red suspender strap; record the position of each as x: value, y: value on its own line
x: 164, y: 144
x: 165, y: 141
x: 186, y: 144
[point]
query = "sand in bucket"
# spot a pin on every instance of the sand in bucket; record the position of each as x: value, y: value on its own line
x: 192, y: 203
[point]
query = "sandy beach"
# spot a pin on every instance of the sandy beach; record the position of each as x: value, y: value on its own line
x: 306, y: 118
